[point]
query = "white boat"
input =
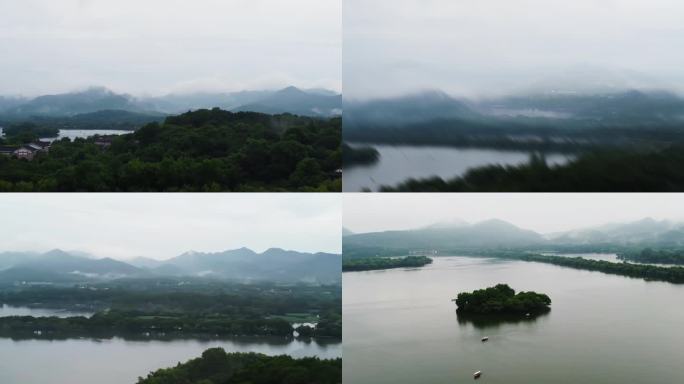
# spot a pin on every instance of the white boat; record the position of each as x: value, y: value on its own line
x: 486, y: 338
x: 477, y: 375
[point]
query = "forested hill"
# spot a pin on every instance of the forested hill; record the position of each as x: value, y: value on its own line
x: 204, y: 150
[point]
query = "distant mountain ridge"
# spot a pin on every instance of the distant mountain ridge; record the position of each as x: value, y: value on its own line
x: 492, y: 234
x: 646, y: 231
x: 406, y: 110
x: 241, y: 264
x: 292, y: 100
x: 436, y: 118
x: 296, y: 101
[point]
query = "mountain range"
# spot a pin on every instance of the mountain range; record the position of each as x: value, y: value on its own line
x: 97, y: 99
x: 434, y: 117
x: 242, y: 264
x: 495, y: 233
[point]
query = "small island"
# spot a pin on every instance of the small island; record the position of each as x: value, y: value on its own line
x: 375, y: 263
x: 502, y: 300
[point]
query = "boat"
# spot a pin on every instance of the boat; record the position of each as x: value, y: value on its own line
x: 486, y: 338
x: 477, y: 375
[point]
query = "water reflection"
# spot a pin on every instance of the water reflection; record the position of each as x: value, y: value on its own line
x: 398, y: 163
x: 116, y: 361
x: 495, y: 321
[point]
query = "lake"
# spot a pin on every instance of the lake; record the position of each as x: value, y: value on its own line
x: 398, y: 163
x: 83, y: 133
x: 119, y: 361
x: 401, y: 327
x: 76, y: 133
x: 6, y: 311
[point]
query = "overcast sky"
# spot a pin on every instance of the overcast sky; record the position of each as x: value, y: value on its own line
x: 482, y: 47
x: 544, y: 213
x: 159, y: 46
x: 162, y: 226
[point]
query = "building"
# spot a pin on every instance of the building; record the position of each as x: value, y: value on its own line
x: 26, y: 151
x: 104, y: 142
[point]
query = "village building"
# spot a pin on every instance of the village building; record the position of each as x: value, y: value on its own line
x: 26, y: 151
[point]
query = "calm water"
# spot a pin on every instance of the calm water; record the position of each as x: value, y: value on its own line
x: 118, y: 361
x: 6, y: 310
x: 398, y: 163
x: 400, y: 327
x: 76, y: 133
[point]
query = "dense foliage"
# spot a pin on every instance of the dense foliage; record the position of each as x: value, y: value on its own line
x: 352, y: 156
x: 218, y: 367
x: 655, y: 256
x: 205, y: 150
x: 139, y: 324
x: 26, y: 132
x: 372, y: 263
x: 502, y: 299
x: 604, y: 171
x: 171, y: 308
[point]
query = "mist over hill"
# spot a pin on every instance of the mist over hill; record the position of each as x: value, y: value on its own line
x: 94, y: 100
x: 243, y: 265
x: 296, y: 101
x: 601, y: 118
x: 490, y: 233
x: 498, y: 234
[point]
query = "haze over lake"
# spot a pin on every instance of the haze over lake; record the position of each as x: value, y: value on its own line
x: 602, y: 329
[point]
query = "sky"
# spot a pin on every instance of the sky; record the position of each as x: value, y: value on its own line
x: 162, y: 226
x: 153, y: 47
x: 478, y: 48
x: 543, y: 213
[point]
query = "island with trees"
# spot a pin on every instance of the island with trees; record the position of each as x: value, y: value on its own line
x: 376, y: 263
x: 204, y: 150
x: 502, y: 300
x: 215, y: 366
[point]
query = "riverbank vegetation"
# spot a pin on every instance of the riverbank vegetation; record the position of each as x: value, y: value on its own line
x: 353, y: 156
x: 654, y: 256
x: 204, y: 150
x: 23, y: 133
x: 502, y: 300
x: 215, y: 366
x: 599, y: 171
x: 374, y: 263
x: 647, y: 272
x: 644, y: 271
